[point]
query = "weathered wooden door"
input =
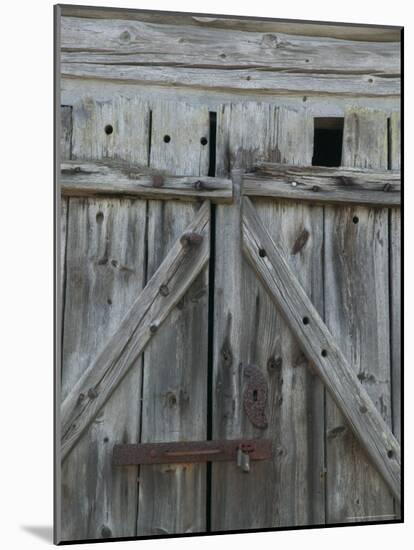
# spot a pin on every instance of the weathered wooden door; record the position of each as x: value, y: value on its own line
x: 204, y: 263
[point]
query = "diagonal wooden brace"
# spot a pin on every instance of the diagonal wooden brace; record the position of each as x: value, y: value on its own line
x: 321, y: 349
x: 163, y: 291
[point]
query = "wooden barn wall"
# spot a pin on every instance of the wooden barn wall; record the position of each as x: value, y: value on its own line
x: 110, y: 247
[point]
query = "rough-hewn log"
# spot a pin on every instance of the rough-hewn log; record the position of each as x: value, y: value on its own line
x: 243, y: 80
x: 317, y: 343
x: 94, y: 179
x: 164, y: 290
x: 117, y: 42
x: 348, y: 31
x: 325, y: 185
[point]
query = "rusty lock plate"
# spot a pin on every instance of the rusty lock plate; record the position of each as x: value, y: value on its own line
x: 190, y: 451
x: 255, y: 396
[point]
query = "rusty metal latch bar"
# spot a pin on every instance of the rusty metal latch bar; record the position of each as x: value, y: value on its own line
x: 240, y: 451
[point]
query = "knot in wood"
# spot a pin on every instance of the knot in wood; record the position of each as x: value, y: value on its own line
x: 153, y: 328
x: 157, y: 180
x: 315, y: 188
x: 300, y: 242
x: 270, y: 40
x: 164, y: 290
x: 387, y: 187
x: 125, y: 36
x: 92, y: 393
x: 198, y: 185
x: 274, y: 363
x: 191, y: 239
x: 106, y: 532
x: 227, y: 356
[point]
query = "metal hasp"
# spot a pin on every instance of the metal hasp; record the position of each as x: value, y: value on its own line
x: 255, y: 396
x: 240, y: 451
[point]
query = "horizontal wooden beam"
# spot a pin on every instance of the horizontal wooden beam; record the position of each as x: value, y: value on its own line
x: 209, y: 57
x: 114, y: 42
x: 183, y: 263
x: 324, y: 185
x: 345, y: 31
x: 96, y: 179
x: 320, y: 347
x: 243, y: 80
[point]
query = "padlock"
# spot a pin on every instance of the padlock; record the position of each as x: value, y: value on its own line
x: 243, y: 460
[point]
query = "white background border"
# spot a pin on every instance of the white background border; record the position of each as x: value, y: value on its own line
x: 26, y: 267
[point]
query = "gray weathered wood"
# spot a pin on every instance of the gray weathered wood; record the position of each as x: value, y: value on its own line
x: 353, y: 31
x: 129, y: 139
x: 92, y: 179
x: 289, y: 490
x: 238, y: 128
x: 395, y: 282
x: 321, y: 348
x: 357, y: 315
x: 63, y: 232
x: 65, y: 132
x: 186, y: 125
x: 172, y: 498
x: 64, y: 154
x: 104, y: 273
x: 324, y: 185
x: 318, y: 105
x: 97, y: 383
x: 247, y: 80
x: 117, y: 42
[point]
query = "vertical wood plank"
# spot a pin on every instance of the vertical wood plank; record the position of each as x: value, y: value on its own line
x: 177, y: 131
x: 63, y: 229
x: 172, y: 498
x: 65, y: 132
x: 357, y: 313
x: 246, y: 133
x: 116, y: 129
x: 105, y: 272
x: 395, y: 286
x: 248, y: 330
x: 65, y: 154
x: 395, y: 281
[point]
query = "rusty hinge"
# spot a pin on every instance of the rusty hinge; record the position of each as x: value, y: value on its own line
x: 241, y: 451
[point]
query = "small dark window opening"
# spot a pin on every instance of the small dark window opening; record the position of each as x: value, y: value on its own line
x: 327, y: 141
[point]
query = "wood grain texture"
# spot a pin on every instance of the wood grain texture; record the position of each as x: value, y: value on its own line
x: 105, y: 259
x: 65, y: 132
x: 243, y: 80
x: 320, y: 106
x: 214, y: 58
x: 238, y: 128
x: 118, y: 42
x: 185, y: 125
x: 395, y: 281
x: 172, y: 498
x: 153, y: 305
x: 93, y: 138
x: 122, y: 179
x: 324, y: 185
x: 248, y: 330
x: 357, y: 314
x: 65, y: 152
x: 381, y: 33
x: 321, y: 348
